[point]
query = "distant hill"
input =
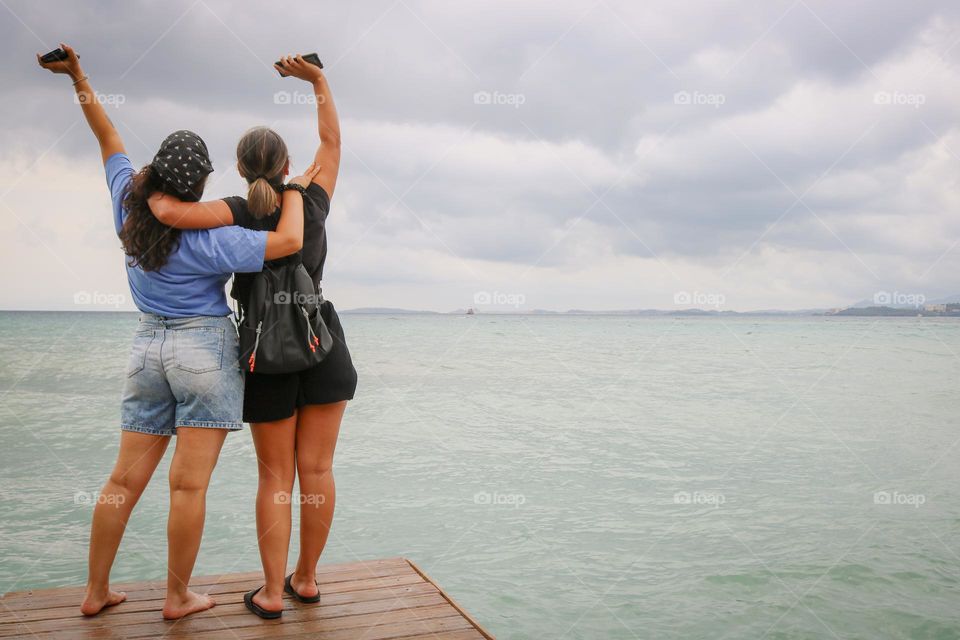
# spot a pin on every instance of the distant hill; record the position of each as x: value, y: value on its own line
x: 877, y: 311
x: 589, y: 312
x: 927, y: 309
x: 388, y: 311
x: 889, y: 302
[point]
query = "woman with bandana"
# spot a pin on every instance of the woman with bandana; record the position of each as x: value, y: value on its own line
x: 182, y: 378
x: 294, y: 417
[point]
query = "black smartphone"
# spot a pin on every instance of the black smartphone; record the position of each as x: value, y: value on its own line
x: 56, y: 55
x: 312, y: 58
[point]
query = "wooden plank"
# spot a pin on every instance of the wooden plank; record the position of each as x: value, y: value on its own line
x: 238, y: 589
x: 418, y: 629
x: 48, y: 600
x: 208, y: 625
x: 463, y: 634
x: 453, y: 603
x: 377, y: 600
x: 373, y: 629
x: 323, y: 572
x: 338, y: 604
x: 71, y: 611
x: 235, y: 614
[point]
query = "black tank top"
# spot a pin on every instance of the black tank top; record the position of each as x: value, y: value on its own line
x: 316, y: 207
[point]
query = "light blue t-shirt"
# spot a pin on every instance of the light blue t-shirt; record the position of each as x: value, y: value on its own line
x: 191, y: 282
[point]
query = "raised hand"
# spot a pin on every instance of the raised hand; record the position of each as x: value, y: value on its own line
x: 307, y: 177
x: 297, y: 67
x: 70, y: 66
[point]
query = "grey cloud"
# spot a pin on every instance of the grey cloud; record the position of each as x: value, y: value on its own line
x: 500, y: 183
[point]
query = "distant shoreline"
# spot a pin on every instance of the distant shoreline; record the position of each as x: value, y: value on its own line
x: 873, y: 312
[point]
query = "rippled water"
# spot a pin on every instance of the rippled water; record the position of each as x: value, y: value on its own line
x: 564, y: 477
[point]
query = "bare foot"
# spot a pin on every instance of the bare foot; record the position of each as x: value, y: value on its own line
x: 177, y: 607
x: 269, y: 602
x: 306, y: 587
x: 94, y: 603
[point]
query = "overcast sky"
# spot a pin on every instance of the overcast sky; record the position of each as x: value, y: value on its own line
x: 552, y: 155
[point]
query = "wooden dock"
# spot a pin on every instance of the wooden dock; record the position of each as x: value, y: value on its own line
x: 371, y: 600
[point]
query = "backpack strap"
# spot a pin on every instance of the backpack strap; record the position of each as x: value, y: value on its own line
x: 237, y: 319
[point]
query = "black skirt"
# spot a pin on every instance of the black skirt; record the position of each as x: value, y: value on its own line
x: 269, y: 397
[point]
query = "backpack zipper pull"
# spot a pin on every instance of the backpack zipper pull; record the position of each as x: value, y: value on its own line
x: 256, y: 345
x: 311, y: 338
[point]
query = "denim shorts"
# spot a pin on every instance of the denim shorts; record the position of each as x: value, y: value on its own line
x: 183, y: 372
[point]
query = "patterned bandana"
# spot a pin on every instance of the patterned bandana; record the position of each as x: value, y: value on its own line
x: 182, y: 160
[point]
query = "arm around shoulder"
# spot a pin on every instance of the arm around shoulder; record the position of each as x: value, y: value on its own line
x: 176, y: 213
x: 288, y: 238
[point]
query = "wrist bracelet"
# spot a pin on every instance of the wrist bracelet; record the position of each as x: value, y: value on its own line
x: 76, y: 82
x: 292, y: 187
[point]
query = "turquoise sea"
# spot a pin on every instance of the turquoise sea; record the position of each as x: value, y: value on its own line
x: 563, y: 477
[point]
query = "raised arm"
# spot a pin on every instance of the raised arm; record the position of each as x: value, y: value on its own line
x: 93, y: 111
x: 328, y: 123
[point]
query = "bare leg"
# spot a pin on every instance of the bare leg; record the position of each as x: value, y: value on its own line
x: 193, y: 462
x: 274, y: 442
x: 138, y: 458
x: 317, y: 431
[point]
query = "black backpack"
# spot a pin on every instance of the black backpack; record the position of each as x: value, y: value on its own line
x: 281, y: 328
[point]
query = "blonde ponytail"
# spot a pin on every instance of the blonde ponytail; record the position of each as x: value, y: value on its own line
x: 261, y: 198
x: 261, y: 159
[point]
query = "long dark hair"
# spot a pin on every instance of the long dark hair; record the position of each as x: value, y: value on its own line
x: 261, y: 158
x: 145, y: 239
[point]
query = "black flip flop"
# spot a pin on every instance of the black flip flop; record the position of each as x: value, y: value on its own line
x: 287, y: 587
x: 256, y: 609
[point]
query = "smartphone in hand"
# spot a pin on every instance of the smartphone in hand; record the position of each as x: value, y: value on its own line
x: 312, y: 58
x: 57, y: 55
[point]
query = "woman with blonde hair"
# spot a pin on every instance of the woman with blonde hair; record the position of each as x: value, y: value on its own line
x: 294, y: 417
